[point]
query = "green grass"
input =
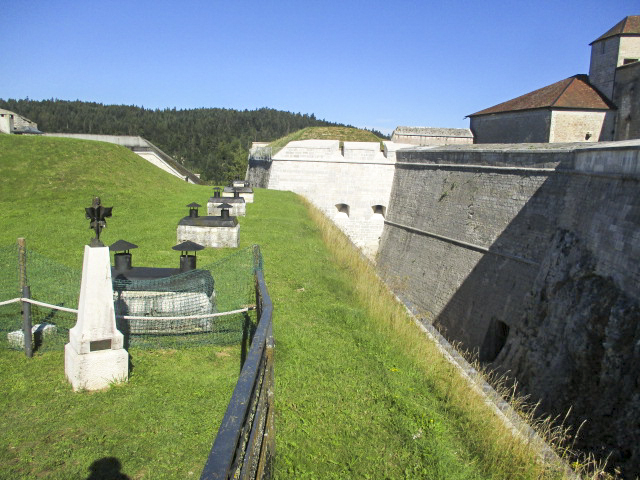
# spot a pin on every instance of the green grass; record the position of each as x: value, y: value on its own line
x: 359, y: 392
x: 344, y: 134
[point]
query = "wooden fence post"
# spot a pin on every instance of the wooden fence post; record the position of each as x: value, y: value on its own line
x: 25, y: 291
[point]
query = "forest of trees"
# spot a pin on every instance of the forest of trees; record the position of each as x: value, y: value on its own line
x: 211, y: 141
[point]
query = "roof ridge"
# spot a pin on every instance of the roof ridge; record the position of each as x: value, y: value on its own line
x: 571, y: 80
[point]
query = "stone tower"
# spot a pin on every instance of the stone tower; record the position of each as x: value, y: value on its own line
x: 619, y: 46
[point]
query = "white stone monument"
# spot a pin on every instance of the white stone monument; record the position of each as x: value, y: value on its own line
x: 94, y: 358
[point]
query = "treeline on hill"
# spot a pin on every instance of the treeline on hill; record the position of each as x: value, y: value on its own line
x: 212, y: 141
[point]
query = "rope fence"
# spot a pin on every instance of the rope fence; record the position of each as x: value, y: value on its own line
x: 214, y: 304
x: 129, y: 317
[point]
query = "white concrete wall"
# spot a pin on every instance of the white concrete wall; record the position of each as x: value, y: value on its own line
x: 215, y: 237
x: 129, y: 141
x: 153, y: 158
x: 361, y: 179
x: 6, y: 123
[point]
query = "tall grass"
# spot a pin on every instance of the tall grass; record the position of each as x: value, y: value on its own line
x: 502, y: 452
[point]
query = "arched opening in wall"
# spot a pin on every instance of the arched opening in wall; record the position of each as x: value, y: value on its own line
x: 494, y: 340
x: 343, y: 210
x: 379, y: 210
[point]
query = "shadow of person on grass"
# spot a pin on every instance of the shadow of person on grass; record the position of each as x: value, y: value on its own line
x: 107, y: 468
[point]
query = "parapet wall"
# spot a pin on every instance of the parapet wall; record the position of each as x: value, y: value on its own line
x: 351, y: 183
x: 530, y: 255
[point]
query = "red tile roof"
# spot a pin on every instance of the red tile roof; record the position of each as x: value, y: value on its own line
x: 628, y: 26
x: 573, y: 92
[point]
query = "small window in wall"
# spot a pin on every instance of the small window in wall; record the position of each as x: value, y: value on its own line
x: 379, y: 210
x: 343, y: 210
x: 494, y: 340
x: 627, y: 61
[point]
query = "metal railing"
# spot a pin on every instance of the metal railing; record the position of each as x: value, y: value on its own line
x: 244, y: 447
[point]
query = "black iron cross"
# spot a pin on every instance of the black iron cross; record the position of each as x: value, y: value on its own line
x: 97, y: 214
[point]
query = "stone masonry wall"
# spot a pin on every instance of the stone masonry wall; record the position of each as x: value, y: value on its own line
x: 530, y: 255
x: 602, y: 67
x: 432, y: 140
x: 351, y: 186
x: 626, y: 96
x: 512, y: 127
x: 575, y: 126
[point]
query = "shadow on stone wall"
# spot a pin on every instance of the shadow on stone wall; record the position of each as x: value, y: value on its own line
x: 543, y: 307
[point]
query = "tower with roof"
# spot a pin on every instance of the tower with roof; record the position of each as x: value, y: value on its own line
x: 619, y: 46
x: 601, y: 106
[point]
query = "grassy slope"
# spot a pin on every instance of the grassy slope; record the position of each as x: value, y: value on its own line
x: 162, y: 423
x: 344, y: 134
x: 351, y: 401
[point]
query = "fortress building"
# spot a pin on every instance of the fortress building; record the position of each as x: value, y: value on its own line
x: 582, y: 108
x: 11, y: 122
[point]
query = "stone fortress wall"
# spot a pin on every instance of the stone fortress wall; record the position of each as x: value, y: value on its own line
x: 529, y: 255
x: 627, y: 98
x: 432, y: 136
x: 351, y: 183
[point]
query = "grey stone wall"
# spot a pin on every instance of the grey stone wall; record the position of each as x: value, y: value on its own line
x: 530, y: 256
x: 627, y: 99
x: 528, y: 126
x: 258, y: 171
x: 602, y: 67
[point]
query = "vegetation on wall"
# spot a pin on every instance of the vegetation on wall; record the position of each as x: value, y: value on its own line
x: 214, y: 142
x: 344, y: 134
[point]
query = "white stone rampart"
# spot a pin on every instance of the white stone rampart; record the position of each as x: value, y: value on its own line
x: 350, y: 185
x: 153, y: 158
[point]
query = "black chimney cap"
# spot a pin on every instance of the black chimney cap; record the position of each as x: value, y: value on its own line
x: 121, y: 246
x: 194, y: 205
x: 188, y: 246
x: 225, y: 205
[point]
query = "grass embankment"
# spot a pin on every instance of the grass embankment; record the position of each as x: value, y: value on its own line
x: 344, y: 134
x: 359, y: 392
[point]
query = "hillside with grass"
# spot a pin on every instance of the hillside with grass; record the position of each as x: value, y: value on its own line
x: 344, y: 134
x: 359, y: 392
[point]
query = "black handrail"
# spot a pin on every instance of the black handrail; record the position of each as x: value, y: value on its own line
x: 245, y: 444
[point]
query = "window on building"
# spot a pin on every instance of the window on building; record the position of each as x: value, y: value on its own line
x: 379, y: 210
x: 627, y: 61
x: 343, y: 210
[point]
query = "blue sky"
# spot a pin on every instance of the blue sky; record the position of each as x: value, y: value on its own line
x: 376, y: 64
